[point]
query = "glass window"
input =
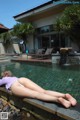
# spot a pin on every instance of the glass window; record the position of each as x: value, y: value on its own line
x: 45, y: 29
x: 51, y: 28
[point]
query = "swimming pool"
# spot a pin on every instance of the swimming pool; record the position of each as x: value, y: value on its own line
x: 53, y: 77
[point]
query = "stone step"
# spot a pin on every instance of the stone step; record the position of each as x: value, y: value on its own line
x: 4, y: 57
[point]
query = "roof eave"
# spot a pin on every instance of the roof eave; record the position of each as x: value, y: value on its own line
x: 37, y: 10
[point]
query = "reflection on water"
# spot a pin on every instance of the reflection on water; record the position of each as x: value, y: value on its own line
x: 17, y: 65
x: 70, y: 67
x: 3, y: 67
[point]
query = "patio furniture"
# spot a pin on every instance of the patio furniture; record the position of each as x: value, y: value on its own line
x: 47, y: 54
x: 38, y: 52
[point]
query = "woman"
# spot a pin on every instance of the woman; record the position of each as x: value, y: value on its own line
x: 24, y: 87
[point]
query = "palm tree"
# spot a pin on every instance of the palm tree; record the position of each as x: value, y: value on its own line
x: 22, y: 31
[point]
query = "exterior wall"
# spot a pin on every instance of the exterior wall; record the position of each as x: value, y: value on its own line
x: 52, y: 20
x: 46, y: 21
x: 9, y: 48
x: 30, y: 43
x: 31, y: 46
x: 2, y: 49
x: 16, y: 48
x: 36, y: 43
x: 5, y: 48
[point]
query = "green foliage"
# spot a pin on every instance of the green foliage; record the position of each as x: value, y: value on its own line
x: 70, y: 17
x: 74, y: 0
x: 5, y: 37
x: 22, y: 30
x: 68, y: 0
x: 70, y: 22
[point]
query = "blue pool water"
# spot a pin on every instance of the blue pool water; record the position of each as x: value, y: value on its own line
x: 60, y: 78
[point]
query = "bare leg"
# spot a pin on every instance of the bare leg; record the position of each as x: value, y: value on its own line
x: 54, y: 93
x: 31, y: 85
x: 20, y: 90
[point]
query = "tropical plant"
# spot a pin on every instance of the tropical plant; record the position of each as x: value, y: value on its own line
x: 70, y: 23
x: 68, y: 0
x: 74, y: 0
x: 5, y: 37
x: 22, y: 30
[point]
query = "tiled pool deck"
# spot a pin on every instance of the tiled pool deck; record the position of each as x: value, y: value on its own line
x: 20, y: 59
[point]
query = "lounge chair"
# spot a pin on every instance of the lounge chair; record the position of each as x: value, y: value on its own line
x: 47, y: 53
x: 38, y: 52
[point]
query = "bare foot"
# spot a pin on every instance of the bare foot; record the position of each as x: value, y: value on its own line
x: 64, y: 102
x: 71, y: 99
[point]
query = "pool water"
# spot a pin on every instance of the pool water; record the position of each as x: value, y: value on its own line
x: 64, y: 79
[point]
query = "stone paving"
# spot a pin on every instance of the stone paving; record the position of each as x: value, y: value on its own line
x: 33, y: 109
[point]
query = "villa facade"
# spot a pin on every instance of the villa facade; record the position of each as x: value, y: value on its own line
x: 44, y: 18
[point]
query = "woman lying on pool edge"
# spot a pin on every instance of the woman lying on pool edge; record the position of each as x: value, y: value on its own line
x: 24, y: 87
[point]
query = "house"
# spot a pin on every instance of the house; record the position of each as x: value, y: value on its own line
x: 3, y: 28
x: 44, y: 18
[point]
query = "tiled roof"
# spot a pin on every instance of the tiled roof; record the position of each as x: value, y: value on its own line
x: 3, y: 27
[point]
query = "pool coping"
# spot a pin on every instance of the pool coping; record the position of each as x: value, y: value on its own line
x: 72, y: 113
x: 45, y: 61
